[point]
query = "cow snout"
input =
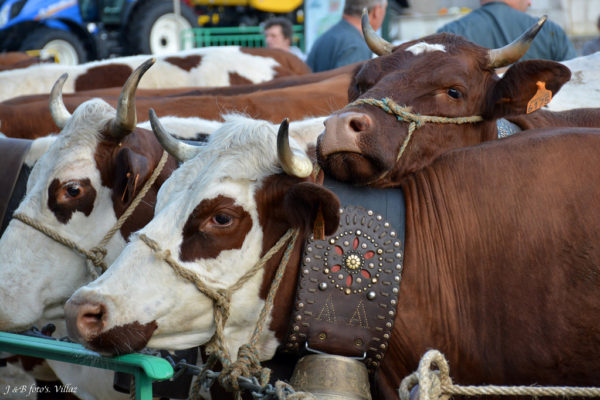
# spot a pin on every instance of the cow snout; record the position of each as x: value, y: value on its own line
x: 342, y: 132
x: 85, y: 321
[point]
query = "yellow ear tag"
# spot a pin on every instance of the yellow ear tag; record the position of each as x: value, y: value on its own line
x: 540, y: 98
x: 319, y: 226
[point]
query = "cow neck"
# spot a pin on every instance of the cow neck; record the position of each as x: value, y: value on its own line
x: 248, y: 359
x: 95, y: 256
x: 415, y: 121
x: 348, y: 283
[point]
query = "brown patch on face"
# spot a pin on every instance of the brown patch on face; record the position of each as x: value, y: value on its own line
x: 237, y: 79
x: 64, y: 198
x: 215, y: 225
x: 185, y: 63
x: 105, y: 76
x: 123, y: 339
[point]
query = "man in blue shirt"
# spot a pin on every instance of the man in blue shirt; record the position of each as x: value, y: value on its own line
x: 498, y: 22
x: 343, y: 43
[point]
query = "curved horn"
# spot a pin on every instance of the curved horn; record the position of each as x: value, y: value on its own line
x: 58, y: 110
x: 293, y: 162
x: 377, y: 44
x: 126, y: 118
x: 181, y: 151
x: 512, y: 52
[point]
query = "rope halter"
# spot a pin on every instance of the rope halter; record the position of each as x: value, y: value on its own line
x: 402, y: 113
x: 247, y: 363
x: 96, y: 255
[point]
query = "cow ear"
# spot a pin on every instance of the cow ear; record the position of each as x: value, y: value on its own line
x: 512, y: 93
x: 131, y: 172
x: 303, y: 202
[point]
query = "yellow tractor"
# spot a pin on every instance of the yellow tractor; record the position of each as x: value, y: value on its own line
x: 245, y: 12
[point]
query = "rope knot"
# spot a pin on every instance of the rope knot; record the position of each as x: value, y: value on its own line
x: 430, y: 381
x: 246, y: 365
x: 96, y: 256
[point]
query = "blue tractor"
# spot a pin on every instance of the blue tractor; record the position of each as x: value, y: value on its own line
x: 82, y: 30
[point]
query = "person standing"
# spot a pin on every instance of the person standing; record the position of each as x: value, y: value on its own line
x: 498, y: 22
x: 279, y: 35
x: 343, y: 43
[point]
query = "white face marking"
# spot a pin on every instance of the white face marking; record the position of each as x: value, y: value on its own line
x: 423, y: 47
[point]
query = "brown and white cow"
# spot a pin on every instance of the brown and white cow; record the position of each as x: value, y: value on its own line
x: 441, y: 75
x: 207, y: 66
x: 500, y: 265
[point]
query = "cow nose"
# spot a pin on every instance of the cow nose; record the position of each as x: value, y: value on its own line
x: 85, y: 321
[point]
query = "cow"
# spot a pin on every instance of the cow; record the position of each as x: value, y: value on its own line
x: 441, y: 75
x: 208, y: 66
x: 499, y: 269
x: 313, y: 99
x: 87, y: 178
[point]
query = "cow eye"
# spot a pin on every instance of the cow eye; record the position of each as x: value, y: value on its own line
x: 222, y: 219
x: 73, y: 189
x: 454, y: 93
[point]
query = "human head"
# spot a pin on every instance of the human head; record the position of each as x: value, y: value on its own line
x: 278, y: 33
x: 521, y: 5
x: 376, y: 9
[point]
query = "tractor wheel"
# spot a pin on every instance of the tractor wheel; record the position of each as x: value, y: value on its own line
x: 66, y: 46
x: 155, y: 29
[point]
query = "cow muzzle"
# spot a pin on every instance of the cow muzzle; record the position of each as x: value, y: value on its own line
x: 343, y: 132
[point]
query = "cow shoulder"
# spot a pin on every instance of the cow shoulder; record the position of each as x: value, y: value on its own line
x: 512, y: 93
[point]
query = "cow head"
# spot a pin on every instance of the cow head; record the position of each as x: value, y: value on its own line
x: 439, y: 75
x: 76, y: 191
x: 215, y: 217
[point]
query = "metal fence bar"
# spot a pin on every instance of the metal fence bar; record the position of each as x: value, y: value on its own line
x: 144, y: 368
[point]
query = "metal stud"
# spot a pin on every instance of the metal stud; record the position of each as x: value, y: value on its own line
x: 340, y: 276
x: 386, y: 224
x: 393, y: 234
x: 347, y: 291
x: 369, y: 212
x: 305, y: 272
x: 374, y: 280
x: 371, y: 295
x: 298, y: 317
x: 300, y: 305
x: 393, y: 302
x: 364, y: 246
x: 346, y: 243
x: 358, y: 232
x: 397, y: 278
x: 379, y: 251
x: 332, y: 241
x: 326, y: 271
x: 379, y: 218
x: 397, y: 244
x: 322, y: 285
x: 398, y: 266
x: 395, y: 290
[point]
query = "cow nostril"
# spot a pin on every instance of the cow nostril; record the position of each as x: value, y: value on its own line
x: 359, y: 123
x: 90, y: 320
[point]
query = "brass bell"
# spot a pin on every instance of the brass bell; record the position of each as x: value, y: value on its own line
x: 330, y: 377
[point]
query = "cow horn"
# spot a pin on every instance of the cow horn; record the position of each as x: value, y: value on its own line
x: 512, y: 52
x: 126, y: 118
x: 293, y: 162
x: 58, y: 110
x: 377, y: 44
x: 181, y: 151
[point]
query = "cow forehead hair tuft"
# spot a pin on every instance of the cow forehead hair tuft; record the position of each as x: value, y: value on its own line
x: 423, y: 47
x: 88, y: 121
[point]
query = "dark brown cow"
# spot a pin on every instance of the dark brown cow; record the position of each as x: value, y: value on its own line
x: 442, y: 75
x: 316, y: 98
x: 16, y: 60
x: 500, y: 266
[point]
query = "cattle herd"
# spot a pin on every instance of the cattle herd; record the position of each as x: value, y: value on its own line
x: 162, y: 203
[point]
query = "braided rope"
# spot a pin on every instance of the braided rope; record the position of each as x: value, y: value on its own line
x: 95, y: 256
x: 437, y: 385
x: 248, y: 363
x: 415, y: 120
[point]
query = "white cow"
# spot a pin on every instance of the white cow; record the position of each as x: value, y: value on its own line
x: 583, y: 90
x: 207, y: 66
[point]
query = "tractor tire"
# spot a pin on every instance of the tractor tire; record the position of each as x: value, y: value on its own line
x: 66, y: 46
x: 153, y: 27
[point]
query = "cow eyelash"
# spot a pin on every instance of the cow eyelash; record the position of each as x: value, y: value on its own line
x: 73, y: 189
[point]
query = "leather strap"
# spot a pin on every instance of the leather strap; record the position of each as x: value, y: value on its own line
x: 13, y: 152
x: 349, y: 283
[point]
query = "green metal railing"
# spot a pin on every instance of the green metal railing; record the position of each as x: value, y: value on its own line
x: 144, y: 368
x: 245, y: 36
